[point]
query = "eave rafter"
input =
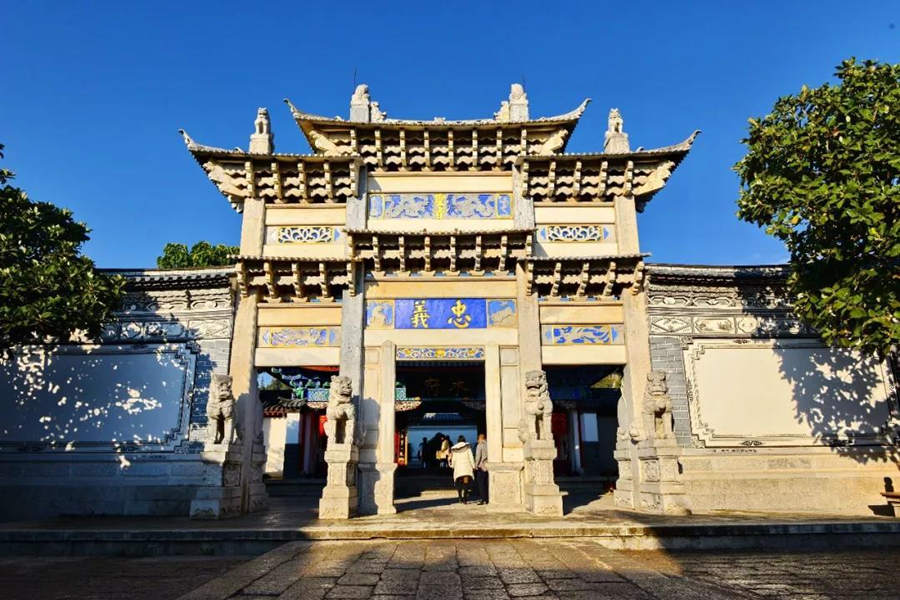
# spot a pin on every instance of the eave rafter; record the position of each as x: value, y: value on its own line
x: 429, y: 253
x: 294, y: 279
x: 585, y: 277
x: 576, y: 178
x: 437, y: 145
x: 277, y: 178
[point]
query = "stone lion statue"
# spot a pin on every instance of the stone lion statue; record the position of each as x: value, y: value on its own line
x: 340, y: 426
x: 658, y: 406
x: 535, y: 423
x: 220, y: 410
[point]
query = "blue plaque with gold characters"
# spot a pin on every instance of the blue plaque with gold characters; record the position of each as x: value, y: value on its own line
x: 440, y: 313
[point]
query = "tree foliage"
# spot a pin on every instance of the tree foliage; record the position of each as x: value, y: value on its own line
x: 48, y: 289
x: 201, y: 254
x: 822, y: 173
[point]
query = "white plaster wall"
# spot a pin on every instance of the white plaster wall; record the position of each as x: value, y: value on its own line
x: 274, y: 438
x: 788, y: 393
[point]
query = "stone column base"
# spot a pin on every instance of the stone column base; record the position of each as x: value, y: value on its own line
x: 376, y: 488
x: 223, y: 497
x: 540, y: 493
x: 624, y: 494
x: 340, y: 497
x: 661, y: 488
x: 505, y: 487
x: 384, y: 488
x: 257, y: 496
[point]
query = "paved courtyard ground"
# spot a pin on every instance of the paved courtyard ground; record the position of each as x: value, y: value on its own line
x: 566, y: 569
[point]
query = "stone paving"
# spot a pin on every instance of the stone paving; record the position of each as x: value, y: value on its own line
x: 565, y: 569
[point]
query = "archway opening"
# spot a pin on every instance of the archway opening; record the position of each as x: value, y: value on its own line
x: 435, y: 401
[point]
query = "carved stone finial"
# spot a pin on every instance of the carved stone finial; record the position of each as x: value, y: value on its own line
x: 616, y: 140
x: 220, y: 412
x: 363, y: 109
x: 518, y: 103
x: 262, y: 141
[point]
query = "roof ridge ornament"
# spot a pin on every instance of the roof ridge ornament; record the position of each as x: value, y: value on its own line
x: 363, y: 109
x: 516, y: 108
x: 262, y: 141
x: 615, y: 141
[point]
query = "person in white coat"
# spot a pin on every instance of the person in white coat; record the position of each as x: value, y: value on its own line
x: 463, y: 467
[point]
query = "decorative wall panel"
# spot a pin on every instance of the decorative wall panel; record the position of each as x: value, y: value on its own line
x: 133, y: 396
x: 575, y: 233
x: 440, y: 353
x: 289, y: 337
x: 307, y: 234
x: 440, y: 206
x: 789, y: 392
x: 553, y: 335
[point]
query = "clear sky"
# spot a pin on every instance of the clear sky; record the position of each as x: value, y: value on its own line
x: 91, y: 98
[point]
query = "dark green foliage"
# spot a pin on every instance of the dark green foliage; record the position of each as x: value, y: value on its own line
x: 822, y: 173
x: 48, y: 290
x: 201, y: 254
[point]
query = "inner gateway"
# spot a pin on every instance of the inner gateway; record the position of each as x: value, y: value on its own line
x: 452, y: 277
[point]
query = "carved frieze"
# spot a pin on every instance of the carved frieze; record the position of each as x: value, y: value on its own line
x: 575, y: 233
x: 440, y: 206
x: 725, y: 325
x: 440, y: 353
x: 310, y: 234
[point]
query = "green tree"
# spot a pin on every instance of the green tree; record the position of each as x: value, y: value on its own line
x: 48, y: 289
x: 201, y: 254
x: 822, y: 173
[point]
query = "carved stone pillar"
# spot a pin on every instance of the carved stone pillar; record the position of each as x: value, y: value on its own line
x: 660, y: 486
x: 339, y: 498
x: 385, y: 467
x: 223, y: 453
x: 541, y: 494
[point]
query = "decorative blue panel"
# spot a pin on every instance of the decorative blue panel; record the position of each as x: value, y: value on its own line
x: 501, y: 313
x: 440, y: 206
x: 282, y: 337
x: 582, y: 334
x: 380, y: 314
x: 445, y: 353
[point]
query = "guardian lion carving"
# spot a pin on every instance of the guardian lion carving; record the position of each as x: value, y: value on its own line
x: 220, y: 410
x: 538, y: 408
x: 340, y: 426
x: 658, y: 406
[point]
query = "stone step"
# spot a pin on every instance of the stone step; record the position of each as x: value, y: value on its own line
x: 295, y: 488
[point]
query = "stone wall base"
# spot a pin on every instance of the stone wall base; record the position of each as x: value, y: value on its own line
x: 27, y: 502
x: 794, y: 482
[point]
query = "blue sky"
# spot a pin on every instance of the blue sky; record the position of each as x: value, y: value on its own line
x: 91, y: 98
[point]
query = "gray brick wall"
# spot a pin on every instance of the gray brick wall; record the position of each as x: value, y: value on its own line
x: 666, y: 355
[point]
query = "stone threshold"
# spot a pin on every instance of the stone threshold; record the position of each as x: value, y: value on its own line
x: 220, y: 541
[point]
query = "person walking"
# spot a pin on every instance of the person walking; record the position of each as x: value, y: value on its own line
x: 481, y: 476
x: 463, y: 467
x: 423, y: 453
x: 444, y: 456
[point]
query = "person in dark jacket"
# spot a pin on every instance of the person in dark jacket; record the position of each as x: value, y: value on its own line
x: 481, y: 475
